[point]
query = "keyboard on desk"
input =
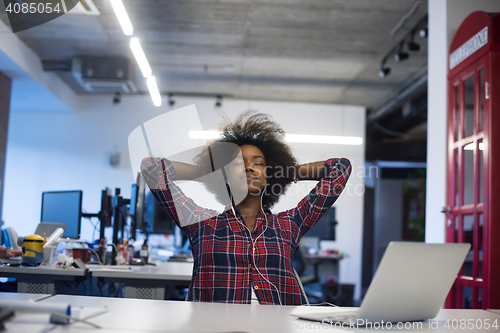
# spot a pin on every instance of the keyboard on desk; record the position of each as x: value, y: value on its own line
x: 182, y: 257
x: 343, y: 317
x: 5, y: 261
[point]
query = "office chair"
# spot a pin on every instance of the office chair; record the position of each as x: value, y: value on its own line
x: 10, y: 238
x: 300, y: 265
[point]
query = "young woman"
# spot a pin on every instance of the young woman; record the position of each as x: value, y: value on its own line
x: 247, y: 250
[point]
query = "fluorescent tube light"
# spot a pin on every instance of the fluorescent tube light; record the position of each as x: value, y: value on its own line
x: 328, y: 139
x: 204, y: 134
x: 470, y: 146
x: 153, y: 91
x: 140, y: 57
x: 122, y: 16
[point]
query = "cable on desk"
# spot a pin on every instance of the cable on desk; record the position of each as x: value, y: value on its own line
x: 97, y: 255
x: 42, y: 298
x: 323, y: 303
x: 75, y: 319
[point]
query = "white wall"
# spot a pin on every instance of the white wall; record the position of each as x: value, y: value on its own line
x: 54, y: 151
x: 445, y: 16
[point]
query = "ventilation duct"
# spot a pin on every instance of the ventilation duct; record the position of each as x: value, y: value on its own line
x: 104, y: 75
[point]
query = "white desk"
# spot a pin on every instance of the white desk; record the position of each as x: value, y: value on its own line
x: 40, y: 280
x: 134, y: 315
x: 145, y: 282
x: 23, y: 297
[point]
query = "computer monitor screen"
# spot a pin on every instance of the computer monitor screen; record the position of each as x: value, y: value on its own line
x: 106, y: 208
x: 325, y: 227
x: 156, y: 220
x: 137, y: 200
x: 63, y: 207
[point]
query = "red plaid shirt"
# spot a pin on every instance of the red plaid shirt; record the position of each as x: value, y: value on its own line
x: 229, y: 260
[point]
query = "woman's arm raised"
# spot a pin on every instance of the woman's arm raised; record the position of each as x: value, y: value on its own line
x: 186, y: 171
x: 309, y: 171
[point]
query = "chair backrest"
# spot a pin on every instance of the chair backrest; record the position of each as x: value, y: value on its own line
x: 309, y: 243
x: 299, y: 261
x: 10, y: 238
x: 299, y: 264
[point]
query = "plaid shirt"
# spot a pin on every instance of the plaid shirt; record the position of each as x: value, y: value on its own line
x: 229, y: 260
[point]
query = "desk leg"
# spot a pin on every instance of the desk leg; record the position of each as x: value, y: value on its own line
x: 316, y: 272
x: 89, y: 285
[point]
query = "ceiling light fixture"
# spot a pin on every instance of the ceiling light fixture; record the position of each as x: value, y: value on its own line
x: 423, y: 33
x: 171, y: 101
x: 140, y: 57
x: 122, y: 16
x: 384, y: 71
x: 299, y: 138
x: 397, y: 49
x: 218, y: 101
x: 412, y: 46
x: 210, y: 135
x: 472, y: 145
x: 117, y: 98
x: 153, y: 91
x: 327, y: 139
x: 401, y: 55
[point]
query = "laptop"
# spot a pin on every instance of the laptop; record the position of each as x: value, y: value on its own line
x: 43, y: 227
x: 411, y: 284
x: 48, y: 228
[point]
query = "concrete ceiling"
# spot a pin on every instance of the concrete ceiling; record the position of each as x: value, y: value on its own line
x: 324, y: 51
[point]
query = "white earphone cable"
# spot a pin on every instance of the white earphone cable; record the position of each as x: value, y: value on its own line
x: 253, y: 251
x: 255, y: 241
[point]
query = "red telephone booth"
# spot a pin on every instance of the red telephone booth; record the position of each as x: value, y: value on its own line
x: 473, y: 160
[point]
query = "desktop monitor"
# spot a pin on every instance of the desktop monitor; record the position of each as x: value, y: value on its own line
x: 63, y: 207
x: 156, y: 220
x: 106, y: 208
x: 325, y: 228
x: 137, y: 201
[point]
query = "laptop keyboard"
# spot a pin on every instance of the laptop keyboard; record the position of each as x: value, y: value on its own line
x: 345, y: 316
x: 10, y: 261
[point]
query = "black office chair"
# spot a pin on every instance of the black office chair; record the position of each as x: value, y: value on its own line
x: 300, y: 265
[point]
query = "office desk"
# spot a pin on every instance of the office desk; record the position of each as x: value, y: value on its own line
x: 145, y: 282
x: 134, y: 315
x: 23, y: 297
x: 317, y: 259
x: 40, y: 280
